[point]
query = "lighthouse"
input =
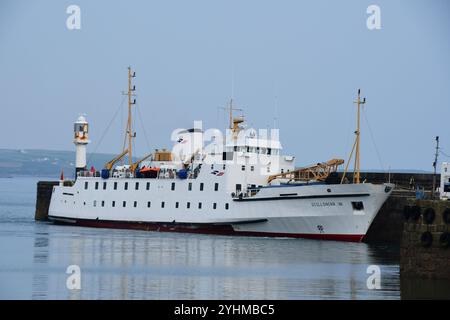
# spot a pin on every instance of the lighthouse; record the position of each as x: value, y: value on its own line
x: 81, y: 135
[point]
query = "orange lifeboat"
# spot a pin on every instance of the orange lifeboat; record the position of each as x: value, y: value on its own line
x: 149, y: 172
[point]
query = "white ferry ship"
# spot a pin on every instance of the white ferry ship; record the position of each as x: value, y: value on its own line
x: 240, y: 184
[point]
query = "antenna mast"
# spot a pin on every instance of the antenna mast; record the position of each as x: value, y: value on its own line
x: 231, y: 113
x: 230, y: 110
x: 356, y: 170
x: 130, y: 93
x: 434, y: 166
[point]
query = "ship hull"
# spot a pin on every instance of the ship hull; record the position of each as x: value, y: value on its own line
x: 329, y: 212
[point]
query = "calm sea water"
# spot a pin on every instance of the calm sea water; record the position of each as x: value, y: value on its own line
x: 125, y: 264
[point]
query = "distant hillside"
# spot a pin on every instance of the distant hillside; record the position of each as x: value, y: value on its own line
x: 48, y: 163
x: 45, y: 163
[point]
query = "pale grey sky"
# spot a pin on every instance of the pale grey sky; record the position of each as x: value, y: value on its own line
x: 309, y: 56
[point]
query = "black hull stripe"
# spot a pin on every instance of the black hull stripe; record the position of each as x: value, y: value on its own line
x: 306, y: 197
x: 192, y: 224
x: 204, y: 229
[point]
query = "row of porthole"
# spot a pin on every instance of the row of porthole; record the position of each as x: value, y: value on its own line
x: 136, y: 187
x: 135, y: 204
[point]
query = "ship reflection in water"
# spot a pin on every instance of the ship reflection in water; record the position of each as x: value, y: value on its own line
x: 122, y: 264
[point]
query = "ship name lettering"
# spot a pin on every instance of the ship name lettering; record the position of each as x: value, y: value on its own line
x: 324, y: 204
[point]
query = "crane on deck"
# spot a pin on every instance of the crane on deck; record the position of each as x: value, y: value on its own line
x: 316, y: 172
x: 110, y: 164
x: 135, y: 165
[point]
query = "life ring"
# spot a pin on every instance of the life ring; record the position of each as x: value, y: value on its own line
x: 446, y: 215
x: 444, y: 240
x: 429, y: 215
x: 415, y: 212
x: 426, y: 239
x: 406, y: 212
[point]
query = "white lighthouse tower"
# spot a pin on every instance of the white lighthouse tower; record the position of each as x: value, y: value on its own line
x: 81, y: 139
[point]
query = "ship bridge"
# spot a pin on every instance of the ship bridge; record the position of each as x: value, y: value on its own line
x: 255, y: 145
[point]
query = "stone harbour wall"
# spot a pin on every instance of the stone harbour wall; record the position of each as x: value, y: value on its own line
x: 425, y: 243
x: 43, y: 195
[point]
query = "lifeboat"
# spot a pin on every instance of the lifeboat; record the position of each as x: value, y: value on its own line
x: 149, y: 172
